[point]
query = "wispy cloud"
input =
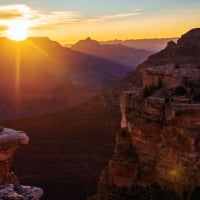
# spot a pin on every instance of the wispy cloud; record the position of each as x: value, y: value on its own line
x: 3, y: 28
x: 9, y: 15
x: 10, y: 12
x: 122, y: 15
x: 57, y: 18
x: 39, y: 20
x: 118, y: 16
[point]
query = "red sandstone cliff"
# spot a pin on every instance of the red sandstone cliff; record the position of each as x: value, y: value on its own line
x: 157, y: 153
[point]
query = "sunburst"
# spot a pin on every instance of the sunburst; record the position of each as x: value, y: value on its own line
x: 17, y: 31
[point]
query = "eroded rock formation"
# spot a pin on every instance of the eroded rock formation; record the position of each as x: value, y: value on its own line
x: 157, y: 153
x: 10, y: 189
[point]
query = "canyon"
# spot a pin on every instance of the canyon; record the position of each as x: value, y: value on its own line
x: 82, y: 137
x: 68, y: 149
x: 39, y: 76
x: 50, y: 107
x: 156, y: 154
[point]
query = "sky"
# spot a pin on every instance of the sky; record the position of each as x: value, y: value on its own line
x: 68, y: 21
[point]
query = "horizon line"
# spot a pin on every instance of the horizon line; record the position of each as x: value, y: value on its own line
x: 112, y: 40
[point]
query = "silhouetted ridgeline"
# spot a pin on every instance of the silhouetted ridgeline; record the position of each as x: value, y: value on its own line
x: 118, y: 53
x: 38, y: 76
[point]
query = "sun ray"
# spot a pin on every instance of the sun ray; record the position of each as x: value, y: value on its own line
x: 39, y: 49
x: 43, y: 52
x: 17, y: 73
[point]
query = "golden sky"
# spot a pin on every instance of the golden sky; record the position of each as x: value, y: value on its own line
x: 69, y: 21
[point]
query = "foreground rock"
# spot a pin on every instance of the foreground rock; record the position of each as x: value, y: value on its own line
x: 10, y: 189
x: 157, y: 153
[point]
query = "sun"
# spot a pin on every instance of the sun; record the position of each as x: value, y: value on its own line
x: 17, y: 31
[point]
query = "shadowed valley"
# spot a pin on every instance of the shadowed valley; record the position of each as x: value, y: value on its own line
x: 55, y: 95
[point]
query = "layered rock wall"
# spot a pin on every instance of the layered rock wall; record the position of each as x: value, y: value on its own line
x: 157, y: 154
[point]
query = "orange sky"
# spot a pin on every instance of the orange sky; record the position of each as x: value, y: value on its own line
x: 69, y: 22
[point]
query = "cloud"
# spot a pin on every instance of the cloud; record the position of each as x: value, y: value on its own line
x: 9, y: 15
x: 9, y: 12
x: 54, y: 25
x: 120, y: 15
x: 54, y: 20
x: 3, y: 28
x: 38, y: 20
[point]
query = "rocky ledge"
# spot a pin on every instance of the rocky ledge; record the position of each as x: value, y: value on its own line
x: 10, y: 189
x: 157, y: 153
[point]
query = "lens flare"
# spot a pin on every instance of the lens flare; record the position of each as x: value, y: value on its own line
x: 17, y: 31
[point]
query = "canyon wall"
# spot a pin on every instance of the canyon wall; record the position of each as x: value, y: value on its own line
x: 157, y: 153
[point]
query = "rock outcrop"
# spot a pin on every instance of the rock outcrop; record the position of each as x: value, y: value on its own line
x: 10, y: 189
x: 185, y: 51
x: 157, y: 153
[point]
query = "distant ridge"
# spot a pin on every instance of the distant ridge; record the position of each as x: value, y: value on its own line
x: 50, y: 77
x: 153, y: 45
x: 114, y: 52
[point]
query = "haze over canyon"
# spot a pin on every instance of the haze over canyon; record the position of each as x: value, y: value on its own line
x: 68, y: 101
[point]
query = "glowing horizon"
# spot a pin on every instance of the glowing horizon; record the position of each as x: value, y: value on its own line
x: 69, y: 21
